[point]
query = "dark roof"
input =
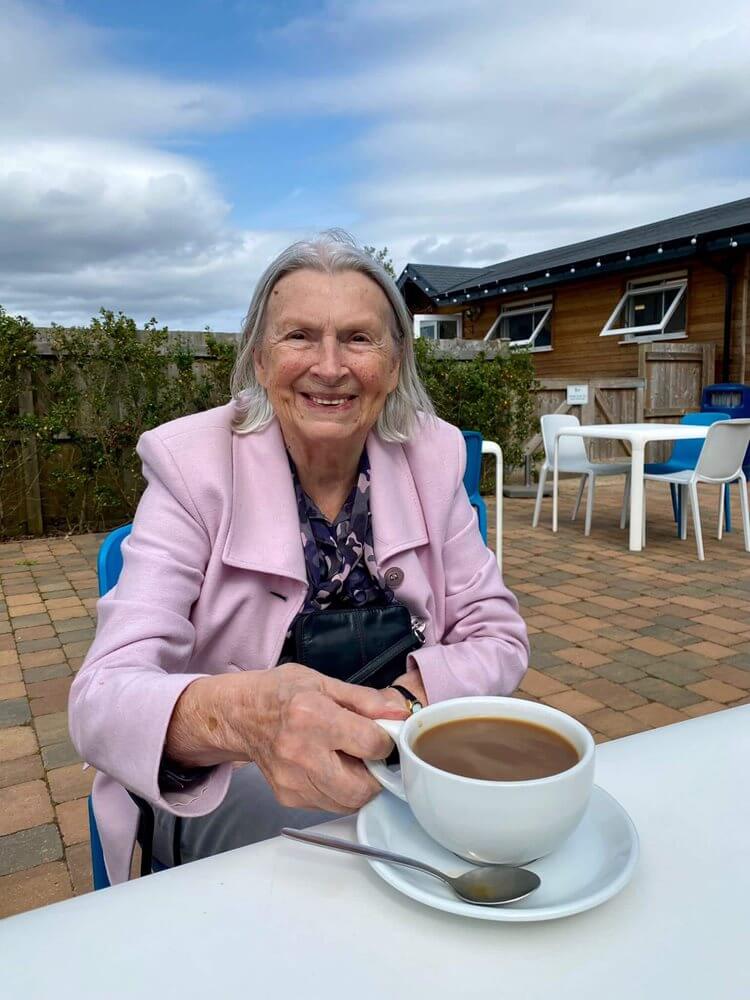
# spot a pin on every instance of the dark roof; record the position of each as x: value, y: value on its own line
x: 439, y: 278
x: 735, y: 215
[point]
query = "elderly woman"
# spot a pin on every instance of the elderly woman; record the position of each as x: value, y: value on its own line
x: 326, y: 483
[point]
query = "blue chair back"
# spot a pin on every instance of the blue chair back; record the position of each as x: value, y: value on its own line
x: 109, y: 560
x: 472, y: 476
x: 108, y: 567
x: 685, y: 453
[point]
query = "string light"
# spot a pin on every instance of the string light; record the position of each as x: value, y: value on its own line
x: 732, y: 241
x: 627, y: 256
x: 694, y: 241
x: 526, y: 288
x: 660, y: 250
x: 572, y: 270
x: 546, y: 274
x: 598, y: 263
x: 505, y: 289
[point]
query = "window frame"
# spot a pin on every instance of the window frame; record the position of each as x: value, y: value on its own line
x: 435, y: 317
x: 518, y: 309
x: 655, y: 331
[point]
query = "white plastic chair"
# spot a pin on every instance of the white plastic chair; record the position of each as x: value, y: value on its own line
x: 574, y: 460
x: 720, y: 462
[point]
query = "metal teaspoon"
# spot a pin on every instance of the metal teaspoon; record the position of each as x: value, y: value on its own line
x: 492, y: 885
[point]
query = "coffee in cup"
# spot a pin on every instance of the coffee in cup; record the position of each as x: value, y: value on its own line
x: 495, y: 818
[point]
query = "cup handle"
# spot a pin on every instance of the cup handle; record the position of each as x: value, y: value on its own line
x: 388, y: 779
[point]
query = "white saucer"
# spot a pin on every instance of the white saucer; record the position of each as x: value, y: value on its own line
x: 593, y: 864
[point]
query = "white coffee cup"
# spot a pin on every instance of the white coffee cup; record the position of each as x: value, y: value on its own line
x: 491, y: 822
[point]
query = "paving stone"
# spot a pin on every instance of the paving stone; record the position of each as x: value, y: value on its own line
x: 730, y: 675
x: 613, y: 724
x: 17, y: 741
x: 619, y: 673
x: 70, y: 782
x: 614, y: 696
x: 674, y: 672
x: 583, y: 657
x: 711, y: 650
x: 43, y: 658
x: 14, y: 712
x: 20, y: 770
x: 38, y: 645
x: 656, y: 715
x: 34, y: 887
x: 573, y: 702
x: 23, y: 806
x: 73, y: 818
x: 714, y: 690
x: 702, y: 708
x: 52, y: 728
x: 653, y: 647
x: 35, y: 674
x: 72, y: 625
x: 539, y: 684
x: 544, y: 661
x: 78, y: 859
x: 36, y: 619
x: 49, y: 696
x: 664, y: 693
x: 9, y: 692
x: 59, y: 754
x: 680, y: 639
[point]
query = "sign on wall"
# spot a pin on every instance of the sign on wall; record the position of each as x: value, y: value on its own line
x: 578, y: 395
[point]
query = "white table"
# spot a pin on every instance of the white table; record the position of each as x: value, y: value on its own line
x: 288, y: 922
x: 637, y: 436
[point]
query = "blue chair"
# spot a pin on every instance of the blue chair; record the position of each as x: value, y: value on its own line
x: 472, y: 476
x: 685, y: 455
x: 108, y: 566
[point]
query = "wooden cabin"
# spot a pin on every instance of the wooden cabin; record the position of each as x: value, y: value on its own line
x: 612, y: 311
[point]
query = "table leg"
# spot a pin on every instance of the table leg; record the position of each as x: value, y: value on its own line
x: 555, y: 481
x: 636, y: 497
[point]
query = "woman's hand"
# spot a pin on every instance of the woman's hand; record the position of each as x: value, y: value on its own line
x: 308, y: 733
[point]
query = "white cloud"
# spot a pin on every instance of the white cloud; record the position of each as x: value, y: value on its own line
x: 484, y: 131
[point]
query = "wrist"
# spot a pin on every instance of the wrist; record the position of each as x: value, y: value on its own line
x: 200, y: 732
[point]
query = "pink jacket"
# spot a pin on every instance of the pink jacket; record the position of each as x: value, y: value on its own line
x: 214, y: 573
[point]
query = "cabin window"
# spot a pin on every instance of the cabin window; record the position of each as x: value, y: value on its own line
x: 652, y: 308
x: 438, y: 326
x: 524, y: 324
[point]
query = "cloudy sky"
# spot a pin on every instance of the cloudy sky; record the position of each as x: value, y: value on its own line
x: 156, y: 155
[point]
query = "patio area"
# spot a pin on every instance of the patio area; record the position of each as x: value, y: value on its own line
x: 623, y: 641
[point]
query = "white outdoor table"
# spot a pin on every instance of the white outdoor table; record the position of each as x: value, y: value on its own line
x: 284, y: 921
x: 637, y: 436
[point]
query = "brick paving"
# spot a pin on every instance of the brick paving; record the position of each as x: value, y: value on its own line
x: 623, y: 641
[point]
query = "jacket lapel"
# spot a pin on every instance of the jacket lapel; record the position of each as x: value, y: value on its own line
x: 397, y: 520
x: 264, y: 527
x: 264, y: 531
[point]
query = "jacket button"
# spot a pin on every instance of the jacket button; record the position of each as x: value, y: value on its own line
x: 394, y: 577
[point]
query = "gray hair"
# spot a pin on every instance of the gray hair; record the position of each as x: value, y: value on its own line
x: 331, y: 252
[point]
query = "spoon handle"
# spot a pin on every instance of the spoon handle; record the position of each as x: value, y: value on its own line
x: 349, y: 847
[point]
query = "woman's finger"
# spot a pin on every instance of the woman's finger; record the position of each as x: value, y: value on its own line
x: 365, y: 701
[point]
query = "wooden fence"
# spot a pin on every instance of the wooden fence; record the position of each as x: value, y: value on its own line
x: 669, y: 383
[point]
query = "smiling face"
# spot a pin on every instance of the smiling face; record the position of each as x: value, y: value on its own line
x: 327, y: 359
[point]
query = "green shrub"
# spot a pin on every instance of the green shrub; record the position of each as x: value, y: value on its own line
x: 493, y: 395
x: 109, y: 382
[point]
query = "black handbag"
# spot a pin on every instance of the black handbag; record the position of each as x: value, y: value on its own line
x: 358, y: 645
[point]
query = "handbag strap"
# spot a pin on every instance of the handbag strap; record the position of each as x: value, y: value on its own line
x: 403, y: 645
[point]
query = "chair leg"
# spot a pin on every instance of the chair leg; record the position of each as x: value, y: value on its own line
x: 579, y: 497
x: 625, y: 502
x: 722, y: 496
x: 745, y: 512
x: 682, y: 507
x: 693, y: 490
x: 643, y: 518
x: 590, y: 502
x: 539, y: 495
x: 728, y: 509
x: 675, y: 506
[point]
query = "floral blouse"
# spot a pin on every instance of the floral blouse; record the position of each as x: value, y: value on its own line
x: 339, y: 556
